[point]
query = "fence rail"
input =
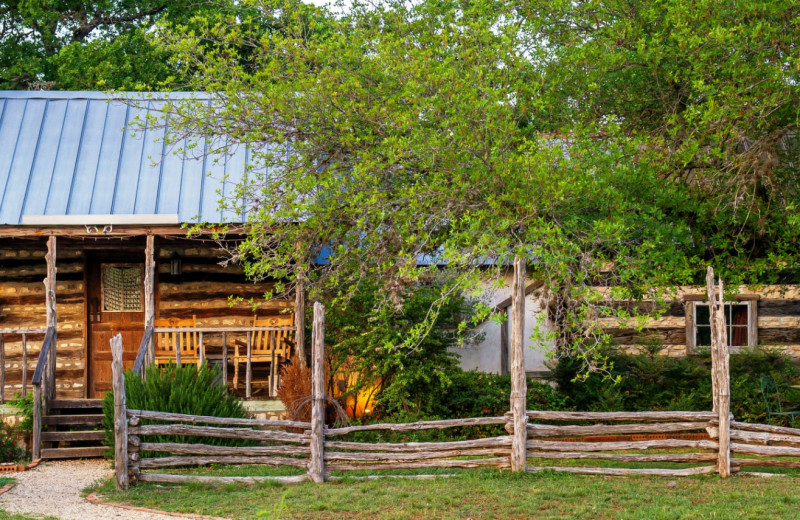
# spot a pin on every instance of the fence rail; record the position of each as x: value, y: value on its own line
x: 280, y: 447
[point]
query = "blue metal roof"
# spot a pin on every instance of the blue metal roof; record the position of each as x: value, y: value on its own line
x: 86, y: 153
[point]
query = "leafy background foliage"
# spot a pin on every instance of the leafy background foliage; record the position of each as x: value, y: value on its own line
x: 653, y: 382
x: 609, y: 143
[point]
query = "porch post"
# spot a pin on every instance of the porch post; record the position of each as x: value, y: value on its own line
x: 149, y: 295
x: 519, y: 389
x: 300, y: 317
x: 50, y: 303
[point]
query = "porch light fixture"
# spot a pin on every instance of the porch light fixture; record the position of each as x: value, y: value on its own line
x: 175, y: 264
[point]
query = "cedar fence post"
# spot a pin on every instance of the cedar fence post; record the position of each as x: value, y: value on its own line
x: 518, y: 383
x: 3, y: 371
x: 120, y: 414
x: 316, y: 466
x: 720, y: 377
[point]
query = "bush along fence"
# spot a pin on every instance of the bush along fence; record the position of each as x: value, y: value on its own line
x: 141, y: 451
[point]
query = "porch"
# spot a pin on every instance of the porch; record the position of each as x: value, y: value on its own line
x: 54, y: 336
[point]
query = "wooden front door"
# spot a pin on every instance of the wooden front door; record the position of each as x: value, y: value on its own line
x: 115, y: 292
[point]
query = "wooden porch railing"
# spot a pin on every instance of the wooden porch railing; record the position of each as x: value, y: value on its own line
x: 24, y: 333
x: 43, y: 375
x: 145, y: 355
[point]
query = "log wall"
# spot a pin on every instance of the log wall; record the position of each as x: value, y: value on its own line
x: 22, y: 305
x: 204, y: 287
x: 778, y: 318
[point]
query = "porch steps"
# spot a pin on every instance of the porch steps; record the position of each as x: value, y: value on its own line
x: 74, y: 429
x: 60, y: 404
x: 87, y: 419
x: 86, y: 435
x: 73, y: 453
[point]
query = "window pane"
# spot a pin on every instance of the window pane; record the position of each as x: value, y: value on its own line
x: 703, y: 336
x: 122, y: 288
x: 702, y: 315
x: 738, y: 315
x: 737, y: 333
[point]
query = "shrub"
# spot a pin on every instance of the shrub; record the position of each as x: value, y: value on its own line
x: 469, y: 394
x: 11, y: 449
x: 371, y: 339
x: 184, y: 389
x: 651, y: 382
x: 476, y: 394
x: 25, y: 407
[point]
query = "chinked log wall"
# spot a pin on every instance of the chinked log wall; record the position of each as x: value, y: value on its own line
x: 22, y: 306
x: 202, y: 290
x: 778, y: 317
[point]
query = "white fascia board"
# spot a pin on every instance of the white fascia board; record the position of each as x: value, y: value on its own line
x: 100, y: 220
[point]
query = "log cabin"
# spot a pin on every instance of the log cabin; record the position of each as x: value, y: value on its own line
x: 93, y: 209
x: 94, y: 205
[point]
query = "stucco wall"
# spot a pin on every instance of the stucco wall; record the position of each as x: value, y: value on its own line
x: 485, y: 354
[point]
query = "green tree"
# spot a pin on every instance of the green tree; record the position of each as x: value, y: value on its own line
x: 105, y: 44
x: 610, y: 143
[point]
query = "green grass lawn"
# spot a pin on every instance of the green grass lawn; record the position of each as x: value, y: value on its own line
x: 9, y: 516
x: 479, y: 494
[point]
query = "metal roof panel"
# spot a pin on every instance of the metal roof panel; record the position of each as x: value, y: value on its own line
x: 66, y: 157
x: 112, y: 147
x: 41, y: 175
x: 23, y: 161
x: 85, y: 153
x: 79, y: 201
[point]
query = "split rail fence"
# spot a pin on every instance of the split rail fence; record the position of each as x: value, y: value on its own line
x: 670, y: 443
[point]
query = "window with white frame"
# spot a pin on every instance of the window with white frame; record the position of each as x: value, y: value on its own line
x: 740, y: 321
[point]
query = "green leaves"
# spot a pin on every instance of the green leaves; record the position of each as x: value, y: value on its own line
x: 611, y: 143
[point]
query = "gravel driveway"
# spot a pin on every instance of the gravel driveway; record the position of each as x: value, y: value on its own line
x: 54, y: 489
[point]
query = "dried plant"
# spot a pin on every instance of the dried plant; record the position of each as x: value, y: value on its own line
x: 295, y: 388
x: 295, y: 393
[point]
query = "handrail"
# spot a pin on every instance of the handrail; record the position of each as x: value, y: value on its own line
x: 36, y: 380
x: 244, y: 328
x: 23, y: 331
x: 143, y: 347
